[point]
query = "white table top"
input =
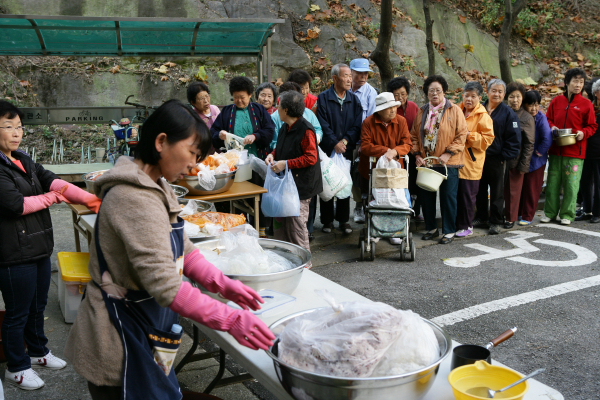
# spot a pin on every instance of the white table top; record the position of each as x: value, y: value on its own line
x: 88, y: 221
x: 260, y: 366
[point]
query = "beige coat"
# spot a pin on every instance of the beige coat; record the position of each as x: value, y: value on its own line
x: 451, y: 134
x: 480, y: 137
x: 135, y: 223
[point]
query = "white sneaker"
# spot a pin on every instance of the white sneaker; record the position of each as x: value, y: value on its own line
x: 49, y: 361
x: 395, y: 241
x: 359, y: 215
x: 545, y: 219
x: 565, y: 221
x: 26, y: 380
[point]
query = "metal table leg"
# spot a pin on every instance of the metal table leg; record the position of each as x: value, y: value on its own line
x: 256, y: 213
x: 77, y: 243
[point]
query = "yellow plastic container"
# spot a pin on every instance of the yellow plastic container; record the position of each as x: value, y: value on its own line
x: 483, y: 374
x: 74, y: 277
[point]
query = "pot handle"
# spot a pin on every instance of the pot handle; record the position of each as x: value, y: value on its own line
x: 503, y: 336
x: 437, y: 158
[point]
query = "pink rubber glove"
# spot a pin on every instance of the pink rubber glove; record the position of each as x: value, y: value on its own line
x: 75, y: 195
x: 245, y: 327
x: 33, y: 204
x: 198, y: 269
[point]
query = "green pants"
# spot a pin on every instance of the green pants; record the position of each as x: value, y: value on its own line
x: 565, y: 173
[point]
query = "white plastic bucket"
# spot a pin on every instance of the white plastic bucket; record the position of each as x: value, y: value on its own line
x: 428, y: 179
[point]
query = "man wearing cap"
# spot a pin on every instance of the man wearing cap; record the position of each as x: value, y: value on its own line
x: 385, y: 133
x: 340, y: 114
x: 366, y: 94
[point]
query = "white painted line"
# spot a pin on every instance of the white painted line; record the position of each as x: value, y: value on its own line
x: 567, y: 228
x: 514, y: 301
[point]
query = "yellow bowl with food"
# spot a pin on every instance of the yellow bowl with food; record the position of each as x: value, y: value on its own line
x: 481, y: 374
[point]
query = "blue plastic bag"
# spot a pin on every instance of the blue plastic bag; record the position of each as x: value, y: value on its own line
x: 282, y: 199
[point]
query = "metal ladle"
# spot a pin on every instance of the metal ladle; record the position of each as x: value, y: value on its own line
x: 486, y: 392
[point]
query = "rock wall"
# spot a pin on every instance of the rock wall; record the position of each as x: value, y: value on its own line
x: 104, y: 89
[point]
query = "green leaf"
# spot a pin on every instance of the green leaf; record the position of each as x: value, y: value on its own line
x: 529, y: 81
x: 314, y: 8
x: 201, y: 74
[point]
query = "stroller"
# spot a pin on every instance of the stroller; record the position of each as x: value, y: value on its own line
x: 385, y: 223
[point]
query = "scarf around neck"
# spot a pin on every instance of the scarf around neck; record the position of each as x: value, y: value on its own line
x: 432, y: 124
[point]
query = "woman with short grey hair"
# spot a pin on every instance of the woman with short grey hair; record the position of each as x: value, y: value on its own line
x: 479, y: 137
x: 266, y: 95
x: 297, y: 149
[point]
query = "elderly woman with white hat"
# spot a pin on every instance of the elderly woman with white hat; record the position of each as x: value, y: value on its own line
x: 383, y: 133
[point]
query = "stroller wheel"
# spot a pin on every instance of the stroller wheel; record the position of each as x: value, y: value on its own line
x: 372, y: 251
x: 362, y: 251
x: 361, y: 237
x: 413, y: 249
x: 403, y: 250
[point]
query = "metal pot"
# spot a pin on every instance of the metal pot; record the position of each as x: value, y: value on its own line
x: 180, y: 191
x: 469, y: 353
x: 89, y: 179
x: 565, y: 137
x: 302, y: 384
x: 224, y: 182
x: 283, y: 282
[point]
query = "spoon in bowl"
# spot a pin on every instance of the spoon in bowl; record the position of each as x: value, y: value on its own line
x: 488, y: 393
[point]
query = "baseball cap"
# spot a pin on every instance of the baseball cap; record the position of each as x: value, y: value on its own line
x: 360, y: 65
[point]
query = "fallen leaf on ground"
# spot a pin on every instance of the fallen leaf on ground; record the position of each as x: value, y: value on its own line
x: 322, y: 61
x: 24, y: 83
x: 514, y: 63
x: 164, y: 78
x: 354, y: 7
x: 114, y: 69
x: 184, y: 80
x: 169, y: 64
x: 279, y: 82
x: 310, y: 18
x: 577, y: 19
x: 580, y: 56
x: 350, y: 37
x: 317, y: 49
x: 313, y: 33
x: 314, y: 8
x: 162, y: 70
x: 462, y: 19
x: 469, y: 47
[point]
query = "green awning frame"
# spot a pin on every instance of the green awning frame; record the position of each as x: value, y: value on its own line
x: 36, y: 35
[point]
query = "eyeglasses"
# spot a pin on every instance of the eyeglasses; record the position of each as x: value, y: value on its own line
x: 17, y: 128
x: 265, y: 96
x: 434, y: 91
x: 204, y: 98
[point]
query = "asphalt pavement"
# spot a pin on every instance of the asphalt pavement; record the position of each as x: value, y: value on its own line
x: 546, y: 282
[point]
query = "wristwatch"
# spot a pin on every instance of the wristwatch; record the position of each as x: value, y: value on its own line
x: 345, y: 142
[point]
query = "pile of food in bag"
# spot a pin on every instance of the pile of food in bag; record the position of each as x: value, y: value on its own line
x: 207, y: 223
x: 358, y: 340
x: 221, y: 163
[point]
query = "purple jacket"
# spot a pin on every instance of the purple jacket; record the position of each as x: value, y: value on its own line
x: 543, y: 140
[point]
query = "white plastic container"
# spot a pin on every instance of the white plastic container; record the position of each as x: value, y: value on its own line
x: 243, y: 173
x: 72, y: 282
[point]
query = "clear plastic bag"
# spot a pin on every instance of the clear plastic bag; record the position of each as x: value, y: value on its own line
x: 334, y: 178
x: 344, y: 165
x: 206, y: 177
x: 258, y: 166
x: 357, y: 340
x: 190, y: 208
x: 282, y: 199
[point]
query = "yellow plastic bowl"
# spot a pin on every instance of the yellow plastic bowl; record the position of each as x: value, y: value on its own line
x: 483, y: 374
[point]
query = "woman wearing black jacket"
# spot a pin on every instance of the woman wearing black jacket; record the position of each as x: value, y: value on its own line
x: 27, y: 190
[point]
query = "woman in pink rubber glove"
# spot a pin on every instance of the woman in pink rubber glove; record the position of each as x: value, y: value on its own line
x: 27, y: 190
x: 137, y: 260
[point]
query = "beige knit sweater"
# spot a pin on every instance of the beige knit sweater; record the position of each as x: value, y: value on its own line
x: 135, y: 223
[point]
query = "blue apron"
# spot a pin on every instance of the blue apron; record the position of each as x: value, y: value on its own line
x: 145, y: 330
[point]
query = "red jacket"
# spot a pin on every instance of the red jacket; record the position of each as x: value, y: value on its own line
x: 580, y: 117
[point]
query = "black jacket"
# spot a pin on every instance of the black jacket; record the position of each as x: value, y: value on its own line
x: 593, y: 143
x: 507, y: 133
x: 309, y: 180
x: 23, y: 238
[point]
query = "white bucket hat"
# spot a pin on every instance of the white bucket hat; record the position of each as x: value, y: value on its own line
x: 384, y: 101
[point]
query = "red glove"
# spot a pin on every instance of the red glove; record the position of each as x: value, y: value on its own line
x: 33, y: 204
x: 198, y: 269
x: 75, y: 195
x: 245, y: 327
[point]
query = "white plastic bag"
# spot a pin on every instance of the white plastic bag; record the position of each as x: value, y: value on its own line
x: 334, y: 178
x: 282, y: 199
x: 344, y: 166
x: 206, y: 177
x: 357, y: 340
x: 190, y: 208
x: 221, y: 169
x: 258, y: 166
x: 387, y: 197
x: 191, y: 230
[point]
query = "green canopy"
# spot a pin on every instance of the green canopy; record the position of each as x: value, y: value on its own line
x: 34, y: 35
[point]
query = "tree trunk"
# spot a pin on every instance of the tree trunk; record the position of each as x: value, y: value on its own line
x: 381, y: 54
x: 511, y: 11
x: 429, y: 38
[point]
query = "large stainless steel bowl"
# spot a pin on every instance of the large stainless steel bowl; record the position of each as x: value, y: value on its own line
x: 203, y: 206
x: 304, y: 385
x: 565, y: 137
x: 224, y: 182
x: 283, y: 282
x: 89, y: 179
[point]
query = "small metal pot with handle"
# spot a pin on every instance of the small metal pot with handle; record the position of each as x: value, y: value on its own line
x: 565, y: 137
x: 469, y: 353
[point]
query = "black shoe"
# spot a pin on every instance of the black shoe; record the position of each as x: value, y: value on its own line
x: 494, y: 229
x: 595, y: 220
x: 446, y: 239
x: 584, y: 217
x: 429, y: 236
x: 346, y: 229
x: 478, y: 223
x: 311, y: 237
x: 327, y: 228
x: 509, y: 225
